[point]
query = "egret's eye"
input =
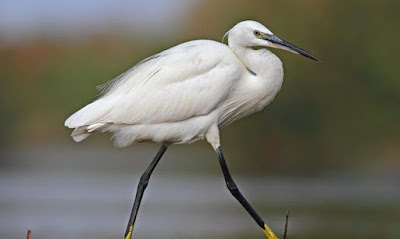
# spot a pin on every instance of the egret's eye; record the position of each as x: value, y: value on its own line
x: 257, y: 33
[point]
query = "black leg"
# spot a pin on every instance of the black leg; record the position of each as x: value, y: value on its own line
x: 144, y: 180
x: 238, y: 195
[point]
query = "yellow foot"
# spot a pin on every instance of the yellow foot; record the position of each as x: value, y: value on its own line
x: 270, y: 234
x: 129, y: 235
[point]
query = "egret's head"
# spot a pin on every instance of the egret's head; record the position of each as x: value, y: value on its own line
x: 254, y: 34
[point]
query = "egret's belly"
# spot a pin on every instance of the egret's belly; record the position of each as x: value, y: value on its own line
x: 186, y: 131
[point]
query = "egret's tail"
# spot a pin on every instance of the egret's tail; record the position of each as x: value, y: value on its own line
x: 88, y: 119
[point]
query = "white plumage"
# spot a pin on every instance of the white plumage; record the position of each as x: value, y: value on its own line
x: 187, y: 92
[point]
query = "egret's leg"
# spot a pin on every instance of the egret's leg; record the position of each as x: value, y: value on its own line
x: 238, y: 195
x: 144, y: 180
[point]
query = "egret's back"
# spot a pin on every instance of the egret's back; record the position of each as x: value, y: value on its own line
x: 179, y: 86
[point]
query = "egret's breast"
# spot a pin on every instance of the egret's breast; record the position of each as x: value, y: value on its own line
x: 253, y: 92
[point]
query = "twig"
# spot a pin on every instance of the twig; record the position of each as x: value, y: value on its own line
x: 29, y: 234
x: 286, y: 224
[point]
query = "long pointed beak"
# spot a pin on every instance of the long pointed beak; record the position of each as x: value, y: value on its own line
x: 280, y: 43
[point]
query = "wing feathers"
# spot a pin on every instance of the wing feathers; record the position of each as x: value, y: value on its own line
x: 189, y: 80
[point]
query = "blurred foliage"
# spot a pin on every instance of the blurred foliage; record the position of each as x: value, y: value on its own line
x: 335, y: 115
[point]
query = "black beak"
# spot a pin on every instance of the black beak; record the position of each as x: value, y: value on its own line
x: 288, y: 46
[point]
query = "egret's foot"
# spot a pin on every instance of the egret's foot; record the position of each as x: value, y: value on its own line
x: 270, y: 234
x: 129, y: 234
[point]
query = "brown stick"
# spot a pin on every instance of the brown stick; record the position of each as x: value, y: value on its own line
x: 29, y: 234
x: 286, y: 224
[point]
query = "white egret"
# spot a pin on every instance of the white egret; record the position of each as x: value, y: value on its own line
x: 186, y: 93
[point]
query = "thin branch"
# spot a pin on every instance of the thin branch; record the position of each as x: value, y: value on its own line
x: 286, y: 224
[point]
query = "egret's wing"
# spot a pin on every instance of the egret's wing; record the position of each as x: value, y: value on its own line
x: 188, y: 80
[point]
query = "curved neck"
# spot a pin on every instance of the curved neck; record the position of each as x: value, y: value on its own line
x: 256, y: 61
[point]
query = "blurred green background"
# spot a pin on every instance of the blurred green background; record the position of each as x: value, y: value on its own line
x: 328, y: 146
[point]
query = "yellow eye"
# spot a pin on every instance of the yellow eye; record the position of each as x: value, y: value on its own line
x: 257, y: 33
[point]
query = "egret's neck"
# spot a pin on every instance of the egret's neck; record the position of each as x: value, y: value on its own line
x: 253, y: 91
x: 267, y: 73
x: 262, y: 62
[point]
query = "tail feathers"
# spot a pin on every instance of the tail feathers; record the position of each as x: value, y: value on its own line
x: 86, y: 120
x: 80, y: 134
x: 89, y: 114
